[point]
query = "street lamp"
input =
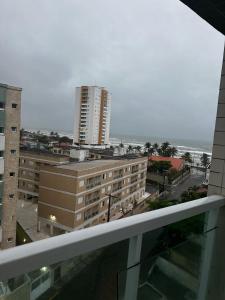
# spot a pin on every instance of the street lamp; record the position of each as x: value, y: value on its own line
x: 109, y: 205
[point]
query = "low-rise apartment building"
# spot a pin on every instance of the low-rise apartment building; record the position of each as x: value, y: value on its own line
x: 29, y: 171
x: 76, y: 195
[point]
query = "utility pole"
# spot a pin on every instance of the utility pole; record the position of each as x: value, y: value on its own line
x: 109, y: 205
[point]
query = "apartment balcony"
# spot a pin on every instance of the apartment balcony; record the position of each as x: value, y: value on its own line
x: 134, y: 170
x: 91, y: 200
x: 134, y: 179
x: 116, y: 176
x: 93, y: 184
x: 146, y: 256
x: 117, y: 188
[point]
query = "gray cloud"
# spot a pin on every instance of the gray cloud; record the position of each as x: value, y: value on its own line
x: 159, y: 60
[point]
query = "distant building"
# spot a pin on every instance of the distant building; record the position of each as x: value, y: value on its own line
x: 174, y: 175
x: 29, y: 171
x: 92, y: 115
x: 176, y: 163
x: 75, y: 195
x: 10, y: 111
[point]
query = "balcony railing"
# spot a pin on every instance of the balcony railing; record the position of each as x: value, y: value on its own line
x: 138, y: 257
x: 93, y: 184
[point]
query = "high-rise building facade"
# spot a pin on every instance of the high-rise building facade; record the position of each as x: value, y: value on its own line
x: 92, y: 115
x: 10, y: 108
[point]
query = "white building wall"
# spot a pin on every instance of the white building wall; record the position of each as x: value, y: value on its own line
x: 108, y: 120
x: 77, y: 116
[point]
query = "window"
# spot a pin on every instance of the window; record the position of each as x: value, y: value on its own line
x: 1, y: 177
x: 2, y: 129
x: 10, y: 239
x: 13, y: 151
x: 12, y: 174
x: 103, y: 190
x: 80, y: 200
x: 2, y: 105
x: 14, y: 129
x: 81, y: 183
x: 78, y: 217
x: 14, y: 105
x: 104, y: 176
x: 1, y: 153
x: 11, y: 196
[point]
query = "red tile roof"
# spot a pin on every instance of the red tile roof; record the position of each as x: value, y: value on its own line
x: 177, y: 163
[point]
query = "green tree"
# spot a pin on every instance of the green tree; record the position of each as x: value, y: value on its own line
x: 155, y: 147
x: 205, y: 161
x: 121, y: 145
x: 147, y: 146
x: 157, y: 204
x: 173, y: 151
x: 138, y: 148
x: 151, y: 151
x: 160, y: 167
x: 187, y: 157
x: 130, y: 148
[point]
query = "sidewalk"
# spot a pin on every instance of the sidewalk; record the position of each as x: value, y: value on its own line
x: 27, y: 217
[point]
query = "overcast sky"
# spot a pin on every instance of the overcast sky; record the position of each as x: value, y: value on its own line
x: 159, y: 60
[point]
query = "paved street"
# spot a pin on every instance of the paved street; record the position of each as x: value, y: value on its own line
x: 196, y: 178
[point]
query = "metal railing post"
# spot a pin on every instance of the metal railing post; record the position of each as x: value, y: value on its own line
x: 213, y: 262
x: 133, y: 268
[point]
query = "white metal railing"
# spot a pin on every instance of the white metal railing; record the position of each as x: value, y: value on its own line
x: 22, y: 259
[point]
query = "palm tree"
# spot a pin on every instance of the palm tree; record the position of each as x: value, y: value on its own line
x: 121, y: 145
x: 205, y: 161
x: 164, y: 149
x: 138, y: 148
x: 173, y: 151
x: 151, y: 150
x: 130, y: 148
x: 187, y: 157
x: 147, y: 146
x: 155, y: 147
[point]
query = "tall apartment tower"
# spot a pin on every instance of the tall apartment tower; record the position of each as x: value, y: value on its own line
x: 10, y: 108
x: 92, y: 115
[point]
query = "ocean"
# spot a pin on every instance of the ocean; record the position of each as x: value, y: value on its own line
x: 196, y: 148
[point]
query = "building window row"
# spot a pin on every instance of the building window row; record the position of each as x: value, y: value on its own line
x: 92, y: 197
x: 90, y: 213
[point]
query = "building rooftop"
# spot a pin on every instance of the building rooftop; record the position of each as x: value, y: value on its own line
x: 10, y: 87
x: 87, y: 165
x: 177, y: 163
x: 36, y: 152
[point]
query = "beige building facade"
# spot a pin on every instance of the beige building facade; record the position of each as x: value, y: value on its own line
x: 76, y: 195
x: 10, y: 112
x: 29, y: 171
